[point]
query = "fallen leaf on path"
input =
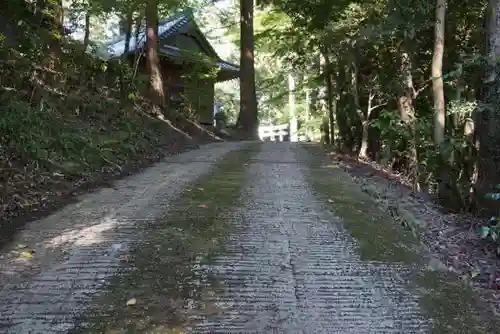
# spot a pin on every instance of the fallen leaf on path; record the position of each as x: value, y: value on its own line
x: 132, y: 302
x: 203, y: 206
x: 27, y: 255
x: 474, y: 272
x: 126, y: 258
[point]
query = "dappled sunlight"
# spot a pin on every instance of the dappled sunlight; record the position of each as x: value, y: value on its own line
x: 331, y: 166
x: 162, y: 118
x: 24, y: 257
x: 86, y: 236
x: 201, y: 128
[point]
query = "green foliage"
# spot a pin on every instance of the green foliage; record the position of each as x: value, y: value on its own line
x: 491, y: 230
x: 68, y: 116
x: 349, y: 55
x: 55, y: 141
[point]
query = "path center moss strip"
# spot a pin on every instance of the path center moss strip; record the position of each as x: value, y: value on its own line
x: 161, y: 281
x: 452, y: 305
x: 379, y: 237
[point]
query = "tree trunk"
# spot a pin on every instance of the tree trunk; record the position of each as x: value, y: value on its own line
x: 488, y: 122
x: 248, y: 116
x: 363, y: 150
x: 291, y: 107
x: 357, y: 105
x: 138, y: 51
x: 444, y: 180
x: 437, y: 77
x: 340, y: 111
x: 322, y: 98
x: 405, y: 99
x: 325, y: 130
x: 330, y: 98
x: 86, y: 37
x: 406, y: 111
x: 307, y: 107
x: 153, y: 61
x: 128, y: 29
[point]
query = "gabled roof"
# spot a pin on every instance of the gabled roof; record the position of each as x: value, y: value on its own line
x: 168, y: 27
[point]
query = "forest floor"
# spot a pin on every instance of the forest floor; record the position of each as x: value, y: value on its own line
x: 235, y: 237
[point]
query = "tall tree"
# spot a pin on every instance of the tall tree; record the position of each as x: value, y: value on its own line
x: 128, y: 23
x: 153, y: 61
x: 438, y: 95
x: 248, y: 116
x: 86, y: 37
x: 437, y: 75
x: 488, y: 126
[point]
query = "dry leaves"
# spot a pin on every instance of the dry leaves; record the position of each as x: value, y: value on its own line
x: 132, y: 302
x: 27, y: 254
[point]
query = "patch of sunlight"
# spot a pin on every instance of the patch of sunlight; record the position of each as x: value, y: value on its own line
x: 162, y: 118
x: 164, y: 330
x: 331, y: 166
x: 86, y: 236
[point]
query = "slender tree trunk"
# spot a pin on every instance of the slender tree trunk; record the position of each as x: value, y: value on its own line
x: 128, y: 23
x: 248, y: 116
x: 307, y: 105
x: 291, y: 107
x: 363, y: 149
x: 128, y: 29
x: 488, y: 122
x: 153, y: 61
x: 341, y: 110
x: 437, y: 77
x: 355, y: 95
x: 137, y: 53
x: 330, y: 96
x: 444, y: 173
x: 322, y: 103
x: 86, y: 37
x: 406, y: 110
x: 405, y: 99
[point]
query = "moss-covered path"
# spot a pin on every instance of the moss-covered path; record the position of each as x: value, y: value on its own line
x: 233, y: 238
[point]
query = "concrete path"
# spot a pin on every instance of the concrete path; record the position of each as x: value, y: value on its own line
x: 78, y: 248
x: 293, y: 269
x: 285, y: 265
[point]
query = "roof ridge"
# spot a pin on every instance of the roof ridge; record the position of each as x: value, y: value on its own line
x: 186, y: 12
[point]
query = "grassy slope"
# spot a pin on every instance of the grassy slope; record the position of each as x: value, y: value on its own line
x: 57, y: 140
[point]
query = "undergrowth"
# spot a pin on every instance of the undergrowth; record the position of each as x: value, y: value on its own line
x: 68, y: 119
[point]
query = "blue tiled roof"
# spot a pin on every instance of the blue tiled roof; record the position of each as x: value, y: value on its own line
x: 166, y: 27
x: 227, y: 66
x: 176, y: 52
